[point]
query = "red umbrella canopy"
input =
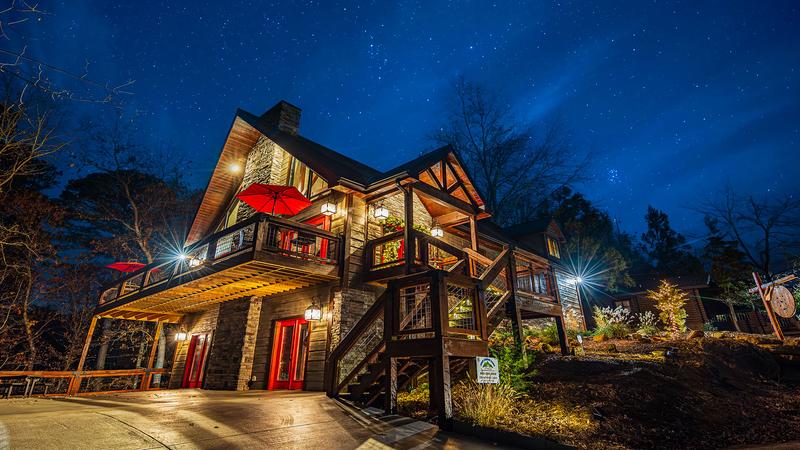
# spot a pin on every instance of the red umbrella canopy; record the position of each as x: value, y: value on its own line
x: 126, y: 266
x: 274, y: 199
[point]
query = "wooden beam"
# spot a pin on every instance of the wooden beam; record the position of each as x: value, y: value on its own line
x: 776, y: 326
x: 410, y: 242
x: 445, y: 198
x: 473, y: 232
x: 75, y: 382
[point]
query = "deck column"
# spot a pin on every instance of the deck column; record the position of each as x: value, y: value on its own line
x: 408, y: 236
x: 440, y: 391
x: 75, y: 381
x: 390, y: 399
x: 147, y: 377
x: 473, y: 232
x: 512, y: 308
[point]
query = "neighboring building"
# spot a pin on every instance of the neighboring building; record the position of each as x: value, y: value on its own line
x: 544, y: 237
x: 393, y: 301
x: 636, y: 301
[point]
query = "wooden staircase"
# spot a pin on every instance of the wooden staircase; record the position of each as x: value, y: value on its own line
x: 429, y: 323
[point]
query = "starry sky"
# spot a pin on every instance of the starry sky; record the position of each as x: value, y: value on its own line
x: 672, y: 99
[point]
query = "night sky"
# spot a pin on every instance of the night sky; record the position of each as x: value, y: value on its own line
x: 673, y: 99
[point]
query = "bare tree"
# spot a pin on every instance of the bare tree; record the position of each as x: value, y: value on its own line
x: 765, y: 230
x: 515, y: 166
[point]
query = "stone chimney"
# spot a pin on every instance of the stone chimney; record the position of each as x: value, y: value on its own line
x: 284, y: 116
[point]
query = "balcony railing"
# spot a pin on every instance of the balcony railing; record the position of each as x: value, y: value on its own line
x: 259, y: 233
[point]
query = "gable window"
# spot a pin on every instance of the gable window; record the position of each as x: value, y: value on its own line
x: 552, y: 247
x: 305, y: 180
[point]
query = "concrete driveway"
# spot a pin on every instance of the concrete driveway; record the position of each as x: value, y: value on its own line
x: 209, y: 419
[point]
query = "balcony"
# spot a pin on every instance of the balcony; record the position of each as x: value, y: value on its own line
x: 260, y: 256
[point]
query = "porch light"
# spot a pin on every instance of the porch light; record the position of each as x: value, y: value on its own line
x: 328, y: 208
x: 436, y: 230
x: 180, y: 336
x: 194, y: 262
x: 381, y: 212
x: 234, y: 168
x: 313, y: 312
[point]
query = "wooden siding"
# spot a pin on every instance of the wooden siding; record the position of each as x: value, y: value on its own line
x: 287, y: 306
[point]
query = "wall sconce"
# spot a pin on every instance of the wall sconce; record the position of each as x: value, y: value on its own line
x: 328, y: 208
x: 436, y: 230
x: 313, y: 312
x: 180, y: 336
x: 194, y: 262
x: 381, y: 212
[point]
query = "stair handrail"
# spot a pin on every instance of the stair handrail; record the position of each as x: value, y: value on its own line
x: 373, y: 313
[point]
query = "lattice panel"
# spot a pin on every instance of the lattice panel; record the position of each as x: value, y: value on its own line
x: 415, y: 307
x: 461, y: 307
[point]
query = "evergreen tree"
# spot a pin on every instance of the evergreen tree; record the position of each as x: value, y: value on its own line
x: 666, y: 248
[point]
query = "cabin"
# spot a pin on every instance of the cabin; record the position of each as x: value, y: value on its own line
x: 387, y: 277
x: 636, y: 298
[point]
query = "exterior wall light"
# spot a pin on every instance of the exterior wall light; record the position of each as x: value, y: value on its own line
x: 436, y: 230
x: 194, y: 262
x: 381, y: 212
x: 328, y: 208
x: 180, y: 336
x: 313, y: 312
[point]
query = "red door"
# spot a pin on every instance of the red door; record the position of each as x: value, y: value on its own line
x: 195, y: 357
x: 289, y: 352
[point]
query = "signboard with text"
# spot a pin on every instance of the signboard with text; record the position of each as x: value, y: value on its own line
x: 487, y: 370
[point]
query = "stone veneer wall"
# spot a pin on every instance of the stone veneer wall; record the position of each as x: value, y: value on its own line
x: 198, y: 323
x: 348, y: 306
x: 287, y: 306
x: 396, y: 207
x: 231, y: 357
x: 266, y: 163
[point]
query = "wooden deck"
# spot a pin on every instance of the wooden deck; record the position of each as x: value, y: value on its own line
x: 269, y: 256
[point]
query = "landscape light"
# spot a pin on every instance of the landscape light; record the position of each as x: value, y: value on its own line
x: 381, y: 212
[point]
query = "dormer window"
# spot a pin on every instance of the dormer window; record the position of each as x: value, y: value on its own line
x: 552, y: 247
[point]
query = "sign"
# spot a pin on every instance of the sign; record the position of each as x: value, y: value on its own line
x: 782, y: 301
x: 487, y: 370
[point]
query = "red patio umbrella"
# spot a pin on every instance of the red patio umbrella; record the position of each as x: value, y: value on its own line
x: 126, y: 266
x: 272, y: 198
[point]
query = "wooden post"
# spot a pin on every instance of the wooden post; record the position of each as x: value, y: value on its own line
x: 473, y: 232
x: 770, y: 313
x: 512, y: 308
x: 410, y: 244
x: 562, y: 334
x: 390, y: 399
x: 75, y: 381
x: 440, y: 391
x: 147, y: 375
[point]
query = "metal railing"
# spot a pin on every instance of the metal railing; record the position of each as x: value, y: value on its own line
x: 281, y: 236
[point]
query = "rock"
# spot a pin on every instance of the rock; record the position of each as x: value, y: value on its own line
x: 695, y: 334
x: 612, y: 348
x: 600, y: 338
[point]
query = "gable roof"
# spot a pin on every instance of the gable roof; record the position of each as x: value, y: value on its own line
x: 329, y: 164
x: 535, y: 226
x: 651, y: 282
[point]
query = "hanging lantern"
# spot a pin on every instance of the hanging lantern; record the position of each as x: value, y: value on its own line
x: 313, y: 312
x: 436, y: 230
x: 328, y: 208
x: 381, y: 212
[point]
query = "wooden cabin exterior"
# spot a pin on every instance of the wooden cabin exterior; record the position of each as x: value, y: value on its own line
x: 396, y: 301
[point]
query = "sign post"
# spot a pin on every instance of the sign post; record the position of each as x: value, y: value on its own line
x: 487, y: 370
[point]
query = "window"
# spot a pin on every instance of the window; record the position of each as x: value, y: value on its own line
x: 623, y: 303
x: 552, y: 247
x: 305, y: 180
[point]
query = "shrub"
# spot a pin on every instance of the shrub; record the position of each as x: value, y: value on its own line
x: 709, y: 326
x: 670, y: 301
x: 486, y: 405
x: 414, y: 403
x: 648, y: 324
x: 515, y: 370
x: 612, y: 323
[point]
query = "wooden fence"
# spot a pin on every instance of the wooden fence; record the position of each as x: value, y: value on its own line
x: 755, y: 322
x: 68, y: 382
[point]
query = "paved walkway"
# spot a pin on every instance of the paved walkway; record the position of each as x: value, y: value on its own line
x: 209, y: 419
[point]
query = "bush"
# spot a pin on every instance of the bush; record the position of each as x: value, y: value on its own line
x: 415, y: 402
x: 515, y: 370
x: 486, y: 405
x: 709, y: 326
x: 612, y: 323
x: 648, y: 324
